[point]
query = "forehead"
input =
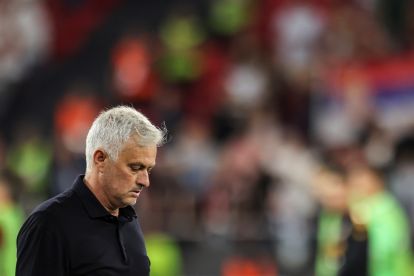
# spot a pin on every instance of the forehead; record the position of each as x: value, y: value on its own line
x: 132, y: 152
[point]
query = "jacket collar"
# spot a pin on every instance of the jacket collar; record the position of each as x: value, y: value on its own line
x: 92, y: 205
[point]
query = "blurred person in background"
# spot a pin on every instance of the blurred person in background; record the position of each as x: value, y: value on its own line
x: 379, y: 242
x: 402, y: 177
x: 165, y: 254
x: 256, y: 263
x: 181, y: 36
x: 293, y: 205
x: 73, y: 115
x: 331, y: 192
x: 227, y: 18
x: 133, y: 77
x: 30, y: 157
x: 193, y: 157
x: 92, y: 228
x: 25, y: 35
x: 11, y: 219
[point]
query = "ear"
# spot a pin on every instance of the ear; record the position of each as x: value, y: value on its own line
x: 99, y: 159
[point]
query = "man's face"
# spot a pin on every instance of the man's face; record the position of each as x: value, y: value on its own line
x: 123, y: 179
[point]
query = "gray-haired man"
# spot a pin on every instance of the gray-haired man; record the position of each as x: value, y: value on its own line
x: 92, y: 229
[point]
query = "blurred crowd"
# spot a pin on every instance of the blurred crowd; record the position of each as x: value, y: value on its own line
x: 291, y: 142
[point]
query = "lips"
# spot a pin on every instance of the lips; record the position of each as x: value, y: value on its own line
x: 137, y: 191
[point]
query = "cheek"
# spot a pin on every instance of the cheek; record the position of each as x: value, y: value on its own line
x: 116, y: 180
x: 124, y: 180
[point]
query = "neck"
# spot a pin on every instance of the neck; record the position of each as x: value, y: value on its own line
x: 91, y: 181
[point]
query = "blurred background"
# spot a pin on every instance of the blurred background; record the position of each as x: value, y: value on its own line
x: 255, y: 94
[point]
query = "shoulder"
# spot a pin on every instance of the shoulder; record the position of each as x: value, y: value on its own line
x: 47, y: 218
x: 57, y: 205
x: 47, y: 214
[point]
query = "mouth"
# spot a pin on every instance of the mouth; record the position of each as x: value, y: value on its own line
x: 136, y: 192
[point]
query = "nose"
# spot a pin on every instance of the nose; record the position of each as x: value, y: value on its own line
x: 143, y: 178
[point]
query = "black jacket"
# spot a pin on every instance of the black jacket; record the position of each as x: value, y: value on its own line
x: 72, y: 234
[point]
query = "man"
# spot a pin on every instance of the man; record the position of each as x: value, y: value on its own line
x: 331, y: 191
x: 92, y: 229
x: 379, y: 244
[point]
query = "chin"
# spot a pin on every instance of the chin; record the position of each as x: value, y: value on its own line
x: 130, y: 202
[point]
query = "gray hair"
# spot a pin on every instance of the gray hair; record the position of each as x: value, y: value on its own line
x: 113, y: 127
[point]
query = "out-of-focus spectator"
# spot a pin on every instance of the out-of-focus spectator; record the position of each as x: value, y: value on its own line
x: 234, y: 206
x: 207, y: 94
x: 30, y: 157
x: 193, y: 157
x: 402, y: 176
x: 187, y: 165
x: 380, y: 238
x: 165, y: 255
x: 293, y: 203
x: 217, y: 211
x: 11, y: 218
x: 247, y: 80
x: 24, y: 41
x: 229, y: 17
x: 331, y: 192
x: 25, y: 35
x: 296, y: 26
x: 258, y: 265
x: 133, y: 78
x: 181, y: 34
x: 66, y: 165
x: 377, y: 145
x: 73, y: 116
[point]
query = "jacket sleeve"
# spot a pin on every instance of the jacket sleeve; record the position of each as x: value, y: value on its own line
x: 40, y: 247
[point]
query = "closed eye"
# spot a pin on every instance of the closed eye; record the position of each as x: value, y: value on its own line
x: 139, y: 167
x: 135, y: 167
